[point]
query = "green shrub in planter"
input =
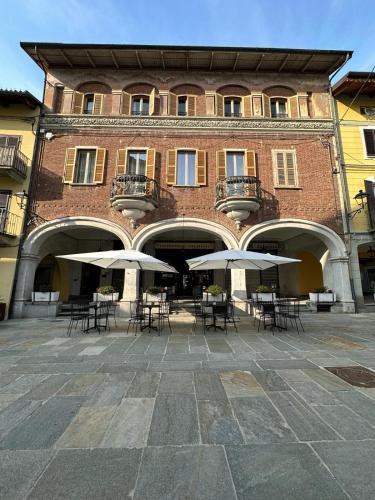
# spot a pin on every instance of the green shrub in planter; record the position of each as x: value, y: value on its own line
x: 154, y: 290
x: 321, y: 289
x: 106, y: 289
x: 263, y: 289
x: 215, y: 290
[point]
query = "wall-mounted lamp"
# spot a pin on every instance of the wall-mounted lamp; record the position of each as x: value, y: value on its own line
x: 361, y: 199
x: 21, y: 198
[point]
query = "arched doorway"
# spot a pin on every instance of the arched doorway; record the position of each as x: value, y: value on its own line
x: 39, y: 267
x: 176, y: 240
x: 321, y: 250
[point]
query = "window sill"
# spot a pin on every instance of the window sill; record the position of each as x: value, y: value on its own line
x: 185, y: 186
x: 298, y: 188
x: 83, y: 184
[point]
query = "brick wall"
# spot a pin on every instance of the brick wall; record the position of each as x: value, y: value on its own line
x: 315, y: 200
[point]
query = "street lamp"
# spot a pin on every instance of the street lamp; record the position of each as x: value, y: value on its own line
x: 21, y: 198
x: 361, y: 199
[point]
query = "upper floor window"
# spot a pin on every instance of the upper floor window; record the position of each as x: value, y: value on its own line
x: 140, y: 105
x: 279, y: 107
x: 182, y: 105
x: 235, y: 163
x: 136, y: 162
x: 232, y: 106
x: 369, y: 135
x: 186, y: 168
x: 88, y: 104
x: 9, y: 141
x: 285, y: 169
x: 85, y: 166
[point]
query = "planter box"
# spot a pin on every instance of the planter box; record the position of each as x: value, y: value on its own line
x: 326, y: 297
x: 263, y: 297
x: 100, y: 297
x: 207, y: 297
x: 45, y: 296
x: 160, y: 297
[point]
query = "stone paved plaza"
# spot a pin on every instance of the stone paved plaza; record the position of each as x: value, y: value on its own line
x: 186, y: 416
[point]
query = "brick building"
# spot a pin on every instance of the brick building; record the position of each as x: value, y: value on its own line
x: 180, y: 151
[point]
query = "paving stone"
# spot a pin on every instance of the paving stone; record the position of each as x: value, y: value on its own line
x: 181, y: 383
x: 44, y: 426
x: 7, y: 378
x: 281, y: 471
x: 238, y: 384
x: 185, y: 357
x: 123, y: 367
x: 175, y: 366
x: 48, y: 387
x: 352, y: 464
x: 360, y: 404
x: 130, y: 425
x: 82, y: 384
x: 314, y: 393
x: 328, y: 380
x: 56, y: 342
x: 294, y: 376
x: 87, y: 428
x: 93, y: 474
x: 217, y: 423
x: 144, y: 385
x: 7, y: 399
x: 23, y: 384
x: 208, y: 386
x: 271, y: 381
x: 20, y: 470
x: 92, y: 350
x: 306, y: 424
x: 111, y: 391
x: 184, y: 472
x: 177, y: 347
x: 218, y: 345
x: 231, y: 365
x: 281, y: 364
x: 140, y: 346
x: 51, y: 368
x: 174, y: 420
x: 260, y: 422
x: 345, y: 422
x: 15, y: 412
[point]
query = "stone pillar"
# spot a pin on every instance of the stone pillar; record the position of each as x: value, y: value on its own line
x: 238, y: 292
x: 25, y: 283
x: 67, y: 101
x: 336, y: 276
x: 163, y: 94
x: 210, y: 103
x: 130, y: 292
x: 356, y: 275
x: 116, y: 102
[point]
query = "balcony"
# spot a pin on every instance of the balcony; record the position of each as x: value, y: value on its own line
x: 10, y: 226
x: 237, y: 196
x: 133, y: 195
x: 279, y: 115
x: 13, y: 163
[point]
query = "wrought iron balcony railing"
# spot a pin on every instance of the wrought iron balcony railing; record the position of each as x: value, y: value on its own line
x: 134, y: 185
x: 10, y: 223
x: 12, y: 158
x: 280, y: 115
x: 233, y: 114
x: 243, y: 186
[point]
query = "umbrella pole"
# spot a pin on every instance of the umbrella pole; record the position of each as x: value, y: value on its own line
x: 225, y: 279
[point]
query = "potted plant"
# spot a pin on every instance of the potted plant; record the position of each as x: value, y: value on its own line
x: 322, y: 294
x: 46, y: 295
x: 2, y: 309
x: 155, y: 293
x: 105, y: 293
x: 263, y: 293
x: 214, y: 293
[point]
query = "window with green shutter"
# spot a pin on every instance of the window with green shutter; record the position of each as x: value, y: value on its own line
x: 285, y: 169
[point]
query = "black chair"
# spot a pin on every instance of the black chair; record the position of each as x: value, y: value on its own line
x: 290, y: 310
x: 112, y: 309
x: 79, y: 313
x: 102, y: 316
x: 229, y: 315
x: 137, y: 315
x: 265, y: 313
x: 199, y: 314
x: 162, y: 315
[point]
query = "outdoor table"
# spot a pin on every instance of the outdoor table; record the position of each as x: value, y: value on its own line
x: 150, y: 306
x: 217, y: 308
x: 94, y: 316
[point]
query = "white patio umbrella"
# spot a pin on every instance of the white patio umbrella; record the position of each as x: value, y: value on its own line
x: 121, y: 259
x: 237, y: 259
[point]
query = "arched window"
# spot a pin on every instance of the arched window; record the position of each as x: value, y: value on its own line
x: 140, y: 105
x: 88, y: 104
x: 279, y: 107
x: 232, y: 106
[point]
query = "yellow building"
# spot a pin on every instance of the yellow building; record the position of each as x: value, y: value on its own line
x: 355, y: 110
x: 19, y: 117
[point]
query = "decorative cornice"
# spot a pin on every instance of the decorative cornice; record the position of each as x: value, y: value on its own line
x: 63, y: 122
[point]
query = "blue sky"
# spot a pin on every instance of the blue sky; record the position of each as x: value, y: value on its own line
x: 319, y: 24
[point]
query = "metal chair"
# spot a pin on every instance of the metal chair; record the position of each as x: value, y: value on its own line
x: 229, y: 315
x: 137, y: 315
x: 78, y: 313
x: 265, y: 311
x: 290, y: 310
x: 162, y: 315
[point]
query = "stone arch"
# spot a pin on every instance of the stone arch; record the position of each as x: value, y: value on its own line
x: 94, y: 87
x: 188, y: 223
x: 335, y: 261
x: 187, y: 89
x: 139, y: 88
x: 279, y: 91
x: 233, y: 90
x: 33, y: 251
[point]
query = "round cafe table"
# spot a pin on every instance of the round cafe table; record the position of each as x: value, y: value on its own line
x: 150, y: 306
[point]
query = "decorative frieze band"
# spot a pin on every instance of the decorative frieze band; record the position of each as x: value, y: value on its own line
x: 156, y: 122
